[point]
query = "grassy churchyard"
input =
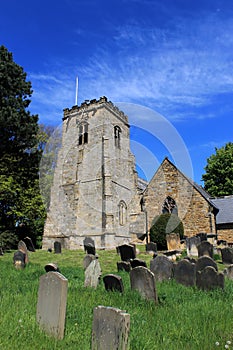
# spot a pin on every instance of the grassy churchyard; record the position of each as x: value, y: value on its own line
x: 185, y: 317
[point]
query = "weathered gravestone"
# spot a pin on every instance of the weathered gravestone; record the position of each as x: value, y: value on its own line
x: 209, y: 279
x: 202, y: 235
x: 123, y: 266
x: 205, y: 248
x: 19, y: 260
x: 29, y: 244
x: 113, y: 283
x: 211, y: 238
x: 228, y: 272
x: 227, y: 255
x: 57, y: 247
x: 185, y: 273
x: 205, y: 261
x: 92, y: 274
x: 151, y: 247
x: 89, y: 245
x: 87, y: 260
x: 143, y: 280
x: 127, y: 252
x: 162, y: 268
x: 173, y: 241
x: 51, y: 267
x: 191, y: 245
x: 137, y: 262
x: 51, y: 305
x: 23, y: 248
x: 110, y: 329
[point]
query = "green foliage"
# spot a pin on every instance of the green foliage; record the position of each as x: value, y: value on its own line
x: 163, y: 225
x: 218, y: 179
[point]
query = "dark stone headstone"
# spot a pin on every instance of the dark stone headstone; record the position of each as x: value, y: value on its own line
x: 205, y: 261
x: 29, y: 244
x: 228, y: 272
x: 209, y: 279
x: 151, y: 247
x: 162, y: 267
x: 113, y: 283
x: 205, y: 248
x: 19, y: 260
x: 143, y: 280
x: 192, y: 260
x: 227, y: 255
x: 137, y: 262
x: 51, y: 267
x: 185, y: 273
x: 1, y: 252
x: 89, y: 245
x: 203, y: 236
x: 57, y: 247
x: 127, y: 252
x: 23, y: 248
x: 123, y: 266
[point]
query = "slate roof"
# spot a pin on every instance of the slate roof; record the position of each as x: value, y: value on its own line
x: 225, y: 206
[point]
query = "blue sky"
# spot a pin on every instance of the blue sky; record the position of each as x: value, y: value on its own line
x: 173, y: 57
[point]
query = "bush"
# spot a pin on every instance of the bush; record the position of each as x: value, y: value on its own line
x: 165, y: 224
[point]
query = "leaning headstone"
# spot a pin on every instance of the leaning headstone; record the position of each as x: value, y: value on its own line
x: 57, y: 247
x: 127, y: 252
x: 185, y: 273
x: 87, y: 260
x: 123, y: 266
x: 19, y: 260
x: 23, y: 248
x: 51, y: 267
x: 110, y: 329
x: 143, y: 280
x: 51, y: 304
x: 89, y: 245
x: 29, y: 244
x: 113, y: 283
x: 228, y: 272
x: 162, y: 268
x: 137, y: 262
x: 191, y: 245
x: 205, y: 261
x: 205, y: 248
x: 227, y: 255
x: 209, y: 279
x: 92, y: 274
x: 151, y: 247
x: 173, y: 241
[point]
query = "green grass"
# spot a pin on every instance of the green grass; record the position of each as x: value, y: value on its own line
x: 185, y: 318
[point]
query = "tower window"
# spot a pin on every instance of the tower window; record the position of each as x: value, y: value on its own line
x: 117, y: 136
x: 83, y: 134
x: 122, y: 213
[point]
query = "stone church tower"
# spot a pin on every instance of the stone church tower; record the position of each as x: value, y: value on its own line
x: 95, y: 190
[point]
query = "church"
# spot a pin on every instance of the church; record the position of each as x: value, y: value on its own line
x: 96, y: 190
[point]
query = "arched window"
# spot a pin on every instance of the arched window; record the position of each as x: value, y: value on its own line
x: 83, y: 134
x: 122, y: 213
x: 169, y: 206
x: 117, y: 136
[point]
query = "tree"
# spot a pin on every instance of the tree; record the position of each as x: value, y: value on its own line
x: 218, y: 179
x: 21, y: 208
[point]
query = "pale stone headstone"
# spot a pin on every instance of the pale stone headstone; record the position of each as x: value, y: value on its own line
x: 87, y: 260
x: 51, y: 305
x: 92, y: 274
x: 113, y: 283
x: 227, y: 255
x: 143, y: 280
x: 137, y: 262
x: 162, y: 268
x: 123, y: 266
x: 185, y: 273
x: 209, y: 279
x: 173, y: 241
x: 127, y: 252
x: 110, y: 329
x: 191, y: 245
x: 205, y: 248
x: 204, y: 261
x: 228, y: 272
x: 23, y: 248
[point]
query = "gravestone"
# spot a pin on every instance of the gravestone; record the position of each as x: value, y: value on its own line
x: 51, y: 304
x: 127, y: 252
x: 205, y: 261
x: 29, y: 244
x: 151, y: 247
x: 137, y: 262
x: 19, y: 260
x: 191, y: 245
x: 211, y: 238
x: 110, y: 329
x: 205, y: 248
x: 89, y: 245
x: 192, y: 260
x: 185, y: 273
x: 209, y: 279
x: 1, y: 252
x: 51, y: 267
x: 162, y: 268
x: 23, y: 248
x: 173, y: 241
x: 123, y: 266
x: 143, y: 280
x: 227, y: 255
x: 87, y: 260
x: 202, y: 235
x: 228, y: 272
x: 113, y: 283
x: 57, y: 247
x: 92, y: 274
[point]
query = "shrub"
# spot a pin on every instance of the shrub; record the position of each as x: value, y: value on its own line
x: 165, y: 224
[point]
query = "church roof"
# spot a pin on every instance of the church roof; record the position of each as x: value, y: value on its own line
x: 225, y: 206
